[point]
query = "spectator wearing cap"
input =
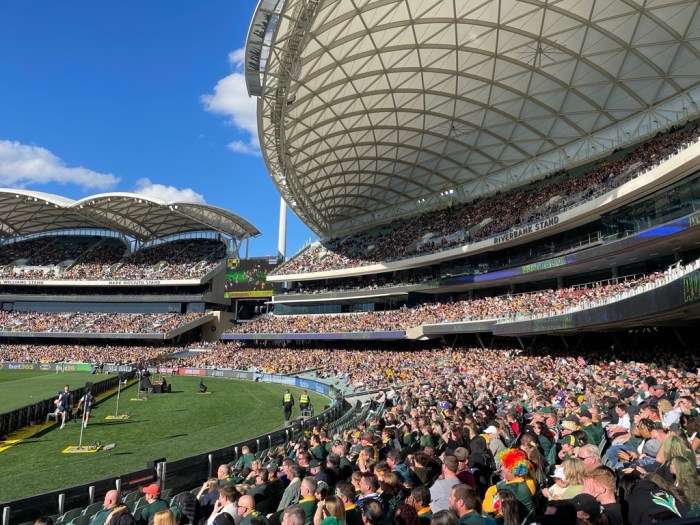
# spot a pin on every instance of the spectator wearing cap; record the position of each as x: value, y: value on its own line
x: 587, y: 509
x: 153, y: 503
x: 316, y: 470
x: 567, y: 447
x: 482, y: 463
x: 601, y: 484
x: 464, y: 473
x: 657, y: 392
x: 568, y: 426
x: 556, y: 489
x: 494, y: 441
x: 646, y: 462
x: 367, y: 441
x: 273, y: 472
x: 593, y: 429
x: 626, y: 391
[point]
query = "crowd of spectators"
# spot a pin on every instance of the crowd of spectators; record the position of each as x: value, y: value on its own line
x: 497, y: 432
x: 89, y: 258
x: 372, y: 282
x: 461, y: 224
x: 94, y: 322
x: 84, y: 353
x: 506, y: 307
x: 185, y: 259
x: 543, y: 434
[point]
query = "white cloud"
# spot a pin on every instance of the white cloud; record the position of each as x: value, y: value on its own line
x: 238, y: 146
x: 168, y: 193
x: 22, y: 165
x: 230, y: 98
x: 236, y: 57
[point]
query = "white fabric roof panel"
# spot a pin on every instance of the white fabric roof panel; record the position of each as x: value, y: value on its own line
x: 368, y: 105
x: 137, y: 216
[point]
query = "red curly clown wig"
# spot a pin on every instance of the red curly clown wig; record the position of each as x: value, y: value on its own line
x: 515, y: 460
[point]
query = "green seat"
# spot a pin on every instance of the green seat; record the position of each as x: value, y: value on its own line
x: 91, y: 510
x: 83, y: 519
x: 130, y: 498
x: 69, y: 515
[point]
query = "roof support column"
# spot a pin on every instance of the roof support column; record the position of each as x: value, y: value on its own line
x: 282, y: 234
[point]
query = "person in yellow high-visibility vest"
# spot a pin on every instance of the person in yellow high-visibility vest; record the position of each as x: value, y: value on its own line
x: 304, y: 401
x: 287, y: 403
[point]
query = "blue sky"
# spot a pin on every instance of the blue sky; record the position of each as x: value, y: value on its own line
x: 135, y: 96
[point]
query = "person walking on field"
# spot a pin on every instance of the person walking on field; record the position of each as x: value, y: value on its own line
x: 63, y: 404
x: 287, y: 403
x: 86, y: 402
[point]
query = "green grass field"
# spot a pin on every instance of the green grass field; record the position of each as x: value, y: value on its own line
x: 184, y: 422
x: 20, y: 388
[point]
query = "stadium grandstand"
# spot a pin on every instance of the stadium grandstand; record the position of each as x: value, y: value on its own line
x: 534, y: 177
x: 507, y: 274
x: 114, y: 266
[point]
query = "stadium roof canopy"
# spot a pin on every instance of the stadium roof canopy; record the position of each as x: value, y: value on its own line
x: 137, y: 216
x: 371, y: 110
